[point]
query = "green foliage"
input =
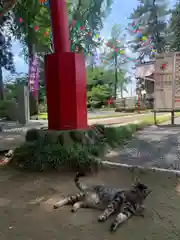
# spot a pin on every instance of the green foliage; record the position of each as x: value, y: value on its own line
x: 151, y: 17
x: 3, y: 108
x: 6, y: 109
x: 6, y: 55
x: 174, y: 28
x: 119, y: 135
x: 41, y: 156
x: 11, y: 86
x: 112, y: 59
x: 38, y: 16
x: 111, y: 54
x: 98, y: 94
x: 97, y: 89
x: 100, y: 84
x: 87, y: 13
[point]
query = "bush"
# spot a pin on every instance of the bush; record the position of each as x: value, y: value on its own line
x: 8, y: 109
x: 42, y: 108
x: 36, y: 156
x: 54, y: 150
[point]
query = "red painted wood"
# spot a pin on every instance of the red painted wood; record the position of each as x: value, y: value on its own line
x: 65, y: 76
x: 66, y: 91
x: 60, y: 27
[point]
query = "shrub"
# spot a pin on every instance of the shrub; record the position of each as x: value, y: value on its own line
x: 8, y: 109
x: 37, y: 156
x: 42, y: 108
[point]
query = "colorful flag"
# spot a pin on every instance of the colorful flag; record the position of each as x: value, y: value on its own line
x: 33, y: 75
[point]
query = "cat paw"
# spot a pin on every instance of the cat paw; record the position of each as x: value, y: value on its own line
x: 73, y: 210
x: 101, y: 218
x: 113, y: 227
x: 55, y: 206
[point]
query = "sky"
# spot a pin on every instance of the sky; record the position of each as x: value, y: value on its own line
x: 121, y: 9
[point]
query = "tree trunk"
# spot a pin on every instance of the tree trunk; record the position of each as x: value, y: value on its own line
x: 116, y: 77
x: 1, y: 85
x: 121, y: 92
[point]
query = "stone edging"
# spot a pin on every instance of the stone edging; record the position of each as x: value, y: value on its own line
x: 115, y: 164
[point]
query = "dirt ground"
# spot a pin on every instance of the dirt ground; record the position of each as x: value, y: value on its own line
x: 26, y: 211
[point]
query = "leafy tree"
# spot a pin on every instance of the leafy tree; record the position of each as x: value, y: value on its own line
x: 87, y: 14
x: 123, y: 82
x: 33, y: 27
x: 150, y: 21
x: 6, y: 55
x: 100, y: 84
x: 11, y: 85
x: 6, y: 5
x: 114, y: 57
x: 174, y: 28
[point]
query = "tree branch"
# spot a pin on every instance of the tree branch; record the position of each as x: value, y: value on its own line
x: 8, y: 4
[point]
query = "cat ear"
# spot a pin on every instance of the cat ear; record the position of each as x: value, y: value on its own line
x: 136, y: 181
x: 149, y: 191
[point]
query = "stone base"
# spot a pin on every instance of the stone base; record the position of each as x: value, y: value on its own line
x: 92, y: 135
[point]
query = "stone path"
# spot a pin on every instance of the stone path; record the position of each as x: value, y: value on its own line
x: 151, y: 147
x: 13, y: 134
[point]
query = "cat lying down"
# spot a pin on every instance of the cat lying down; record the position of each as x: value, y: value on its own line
x: 123, y: 202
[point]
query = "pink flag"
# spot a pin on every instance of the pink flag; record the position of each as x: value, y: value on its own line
x: 33, y: 76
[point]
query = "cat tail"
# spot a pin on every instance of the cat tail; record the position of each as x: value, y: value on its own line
x: 81, y: 186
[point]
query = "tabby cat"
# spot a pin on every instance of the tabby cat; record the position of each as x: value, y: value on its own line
x: 125, y: 202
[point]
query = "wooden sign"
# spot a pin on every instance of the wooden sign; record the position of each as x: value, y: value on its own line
x: 163, y: 89
x: 177, y: 82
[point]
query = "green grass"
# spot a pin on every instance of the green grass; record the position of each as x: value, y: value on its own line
x: 43, y: 116
x: 160, y: 119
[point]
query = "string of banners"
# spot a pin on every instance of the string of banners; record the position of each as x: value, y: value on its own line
x: 33, y: 75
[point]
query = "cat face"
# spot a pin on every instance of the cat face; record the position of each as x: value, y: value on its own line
x: 142, y: 188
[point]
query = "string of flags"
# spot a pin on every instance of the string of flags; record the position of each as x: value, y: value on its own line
x: 145, y: 41
x: 75, y: 26
x: 83, y: 31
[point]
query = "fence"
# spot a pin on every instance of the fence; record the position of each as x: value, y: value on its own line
x: 128, y: 104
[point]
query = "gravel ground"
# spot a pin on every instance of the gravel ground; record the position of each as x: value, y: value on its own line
x: 151, y: 147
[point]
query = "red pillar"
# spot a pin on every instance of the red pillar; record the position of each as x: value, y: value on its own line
x: 65, y: 76
x: 60, y: 27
